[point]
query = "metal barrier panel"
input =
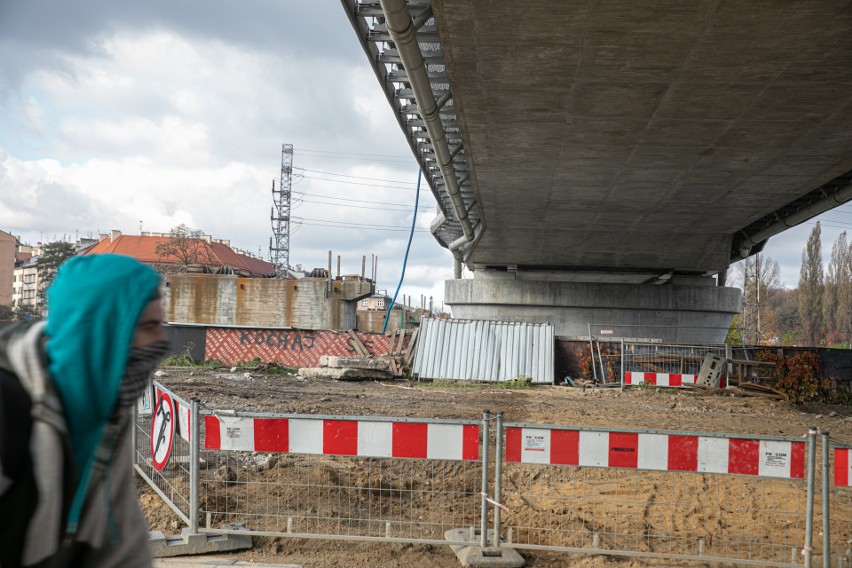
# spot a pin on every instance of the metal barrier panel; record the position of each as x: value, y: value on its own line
x: 838, y: 513
x: 172, y: 483
x: 339, y: 477
x: 658, y: 494
x: 665, y: 365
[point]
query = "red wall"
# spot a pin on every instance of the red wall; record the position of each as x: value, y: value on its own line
x: 292, y: 348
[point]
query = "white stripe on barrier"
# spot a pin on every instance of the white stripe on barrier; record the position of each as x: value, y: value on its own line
x: 713, y: 455
x: 305, y: 436
x: 594, y: 449
x: 375, y: 439
x: 653, y: 451
x: 444, y: 443
x: 236, y: 434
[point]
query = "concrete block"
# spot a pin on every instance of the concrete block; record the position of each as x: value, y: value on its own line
x: 188, y: 543
x: 336, y: 362
x: 475, y: 555
x: 347, y: 374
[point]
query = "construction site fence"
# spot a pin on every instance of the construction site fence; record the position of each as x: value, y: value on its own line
x: 739, y: 499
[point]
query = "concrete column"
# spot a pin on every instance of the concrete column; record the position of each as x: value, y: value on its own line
x: 691, y: 310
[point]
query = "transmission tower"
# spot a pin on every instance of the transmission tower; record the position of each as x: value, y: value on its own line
x: 279, y: 243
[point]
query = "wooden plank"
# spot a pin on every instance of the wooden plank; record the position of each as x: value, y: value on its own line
x: 359, y: 347
x: 409, y: 351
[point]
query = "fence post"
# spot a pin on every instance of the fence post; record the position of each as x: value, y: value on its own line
x: 498, y: 473
x: 592, y: 354
x: 134, y: 426
x: 826, y: 524
x: 194, y: 459
x: 622, y: 363
x: 809, y: 507
x: 483, y: 540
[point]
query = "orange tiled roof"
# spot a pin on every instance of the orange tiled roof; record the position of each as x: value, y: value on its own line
x: 142, y: 248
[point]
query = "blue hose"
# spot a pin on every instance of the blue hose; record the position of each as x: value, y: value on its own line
x: 407, y: 248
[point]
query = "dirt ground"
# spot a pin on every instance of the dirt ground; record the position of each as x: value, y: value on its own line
x: 644, y: 408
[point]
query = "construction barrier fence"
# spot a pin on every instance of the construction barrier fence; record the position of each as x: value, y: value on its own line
x: 752, y: 500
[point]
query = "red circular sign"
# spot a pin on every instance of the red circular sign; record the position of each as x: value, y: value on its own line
x: 162, y: 431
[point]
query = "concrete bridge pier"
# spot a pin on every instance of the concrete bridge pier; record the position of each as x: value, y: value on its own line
x: 690, y: 310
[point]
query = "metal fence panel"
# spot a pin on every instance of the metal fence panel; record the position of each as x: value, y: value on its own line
x: 173, y: 482
x: 484, y: 350
x: 616, y: 504
x: 838, y: 506
x: 314, y: 480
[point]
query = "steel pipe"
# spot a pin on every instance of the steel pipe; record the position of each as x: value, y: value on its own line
x: 404, y: 35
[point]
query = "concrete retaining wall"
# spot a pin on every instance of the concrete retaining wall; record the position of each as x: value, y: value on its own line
x: 230, y: 300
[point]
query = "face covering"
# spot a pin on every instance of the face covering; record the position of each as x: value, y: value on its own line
x: 140, y: 363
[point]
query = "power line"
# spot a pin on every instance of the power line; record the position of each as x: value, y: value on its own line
x: 400, y: 156
x: 360, y: 228
x: 353, y: 200
x: 373, y: 207
x: 370, y: 225
x: 373, y: 185
x: 356, y: 177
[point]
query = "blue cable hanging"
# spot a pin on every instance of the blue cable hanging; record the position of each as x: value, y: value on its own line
x: 407, y: 248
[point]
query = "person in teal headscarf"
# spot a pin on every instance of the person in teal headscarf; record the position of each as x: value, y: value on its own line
x: 67, y: 496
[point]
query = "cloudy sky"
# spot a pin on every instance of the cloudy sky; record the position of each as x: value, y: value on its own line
x: 114, y: 114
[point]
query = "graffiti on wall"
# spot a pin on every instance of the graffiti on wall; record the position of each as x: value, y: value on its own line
x: 293, y: 348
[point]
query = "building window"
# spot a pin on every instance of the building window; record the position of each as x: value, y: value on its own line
x: 365, y: 303
x: 380, y: 303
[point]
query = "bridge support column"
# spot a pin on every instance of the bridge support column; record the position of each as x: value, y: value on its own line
x: 693, y: 311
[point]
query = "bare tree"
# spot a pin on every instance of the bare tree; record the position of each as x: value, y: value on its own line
x: 185, y: 244
x: 811, y: 289
x: 760, y: 277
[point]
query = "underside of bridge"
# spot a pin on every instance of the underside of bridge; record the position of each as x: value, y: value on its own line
x: 623, y: 142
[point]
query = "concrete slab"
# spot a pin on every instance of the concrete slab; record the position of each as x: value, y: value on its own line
x: 474, y: 555
x: 190, y: 544
x: 347, y: 374
x: 336, y: 362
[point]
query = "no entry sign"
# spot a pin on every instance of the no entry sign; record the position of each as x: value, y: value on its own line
x: 162, y: 431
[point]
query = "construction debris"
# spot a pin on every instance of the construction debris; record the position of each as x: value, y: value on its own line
x: 365, y: 365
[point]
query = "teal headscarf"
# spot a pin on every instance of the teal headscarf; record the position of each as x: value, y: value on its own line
x: 94, y: 305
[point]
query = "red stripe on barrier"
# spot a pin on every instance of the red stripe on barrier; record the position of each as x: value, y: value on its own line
x: 623, y: 449
x: 650, y: 378
x: 271, y: 435
x: 628, y: 378
x: 470, y: 442
x: 841, y: 467
x: 676, y: 380
x: 410, y: 440
x: 340, y: 437
x: 564, y: 447
x: 683, y: 453
x: 513, y: 444
x: 797, y: 460
x: 212, y: 435
x: 744, y: 457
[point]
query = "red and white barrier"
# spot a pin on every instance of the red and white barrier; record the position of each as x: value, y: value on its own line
x: 842, y: 468
x: 419, y: 440
x: 660, y: 452
x: 663, y: 379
